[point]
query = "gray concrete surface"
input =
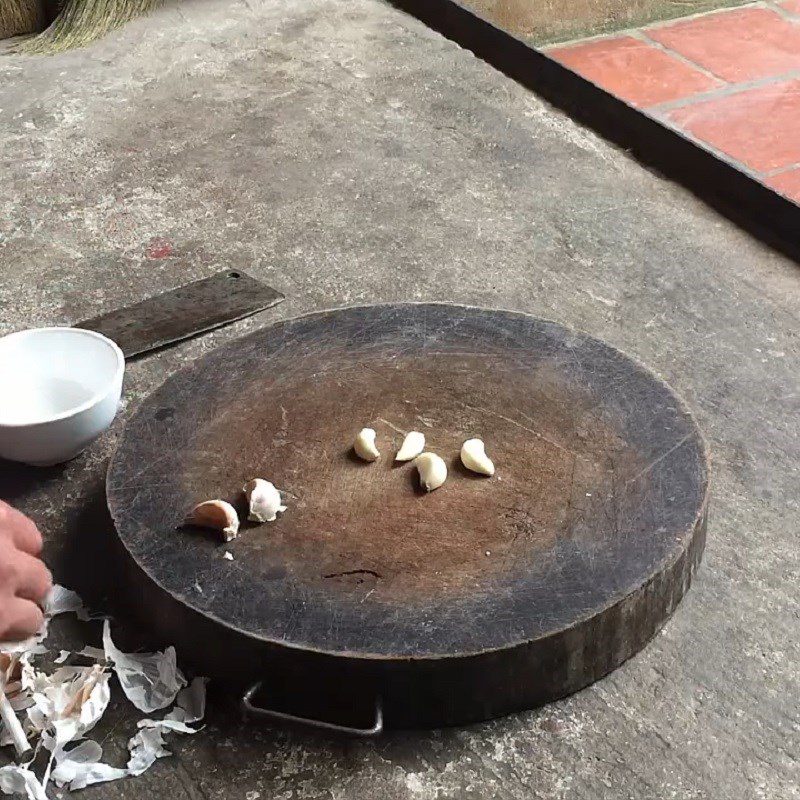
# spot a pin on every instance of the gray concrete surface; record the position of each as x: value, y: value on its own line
x: 345, y: 154
x: 559, y: 20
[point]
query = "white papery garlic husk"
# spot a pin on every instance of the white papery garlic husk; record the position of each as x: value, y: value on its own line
x: 264, y: 500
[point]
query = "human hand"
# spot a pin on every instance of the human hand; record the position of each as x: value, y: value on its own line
x: 24, y: 579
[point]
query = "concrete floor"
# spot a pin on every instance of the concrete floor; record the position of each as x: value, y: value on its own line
x: 548, y: 21
x: 346, y: 154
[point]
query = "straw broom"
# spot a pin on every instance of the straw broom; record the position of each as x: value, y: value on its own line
x: 21, y: 16
x: 77, y: 23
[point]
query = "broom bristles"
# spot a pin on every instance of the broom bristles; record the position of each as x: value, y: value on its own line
x: 20, y: 16
x: 83, y: 21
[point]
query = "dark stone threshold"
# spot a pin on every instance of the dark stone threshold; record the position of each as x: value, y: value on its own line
x: 744, y: 200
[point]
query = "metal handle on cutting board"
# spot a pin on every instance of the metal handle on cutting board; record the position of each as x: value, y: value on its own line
x: 268, y: 713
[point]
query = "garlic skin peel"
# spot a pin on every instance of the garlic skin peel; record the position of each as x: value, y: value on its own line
x: 432, y: 471
x: 263, y: 499
x: 474, y: 458
x: 364, y: 445
x: 412, y: 446
x: 217, y: 515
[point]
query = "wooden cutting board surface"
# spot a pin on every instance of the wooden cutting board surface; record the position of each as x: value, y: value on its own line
x: 600, y: 489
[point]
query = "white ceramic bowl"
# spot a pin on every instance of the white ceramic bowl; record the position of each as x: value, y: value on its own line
x: 59, y: 390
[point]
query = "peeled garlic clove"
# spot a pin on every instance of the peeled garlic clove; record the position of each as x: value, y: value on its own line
x: 364, y: 445
x: 217, y: 515
x: 473, y: 457
x: 412, y: 446
x: 264, y: 500
x: 432, y: 471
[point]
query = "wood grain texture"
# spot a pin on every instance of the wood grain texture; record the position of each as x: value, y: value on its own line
x: 558, y: 568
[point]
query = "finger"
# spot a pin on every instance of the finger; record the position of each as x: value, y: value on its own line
x: 22, y: 531
x: 34, y: 579
x: 24, y: 619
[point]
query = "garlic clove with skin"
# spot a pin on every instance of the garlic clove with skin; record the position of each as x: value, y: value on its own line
x: 432, y: 470
x: 412, y: 446
x: 217, y: 515
x: 474, y: 458
x: 264, y: 500
x: 364, y: 445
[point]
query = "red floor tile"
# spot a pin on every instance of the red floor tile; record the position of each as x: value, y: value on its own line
x: 635, y: 71
x: 787, y: 183
x: 739, y: 45
x: 759, y: 127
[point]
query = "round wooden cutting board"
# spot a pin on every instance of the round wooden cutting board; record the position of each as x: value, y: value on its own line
x: 486, y: 596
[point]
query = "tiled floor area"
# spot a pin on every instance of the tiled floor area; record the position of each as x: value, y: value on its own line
x: 729, y: 79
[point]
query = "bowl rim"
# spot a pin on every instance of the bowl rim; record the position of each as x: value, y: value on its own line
x: 119, y: 371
